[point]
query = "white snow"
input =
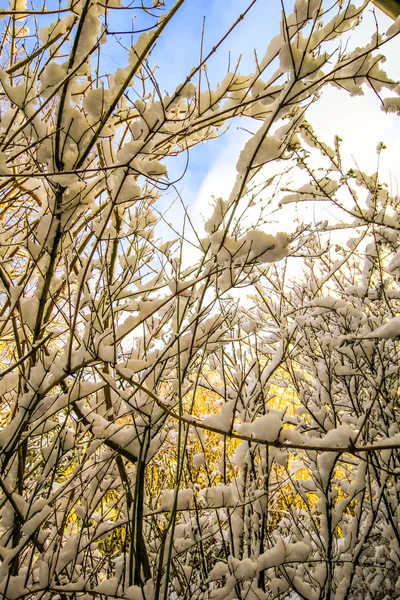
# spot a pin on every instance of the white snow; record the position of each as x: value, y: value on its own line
x: 219, y: 496
x: 260, y: 149
x: 254, y: 247
x: 219, y: 570
x: 199, y: 459
x: 273, y: 557
x: 107, y: 587
x: 184, y: 499
x: 388, y: 331
x: 223, y: 420
x: 266, y: 428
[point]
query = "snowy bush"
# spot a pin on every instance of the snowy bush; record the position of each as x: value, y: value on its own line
x: 162, y: 435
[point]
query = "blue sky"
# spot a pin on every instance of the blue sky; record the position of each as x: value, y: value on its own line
x: 359, y: 121
x: 211, y: 168
x: 178, y: 51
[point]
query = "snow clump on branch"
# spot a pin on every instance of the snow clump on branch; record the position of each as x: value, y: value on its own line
x: 254, y: 247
